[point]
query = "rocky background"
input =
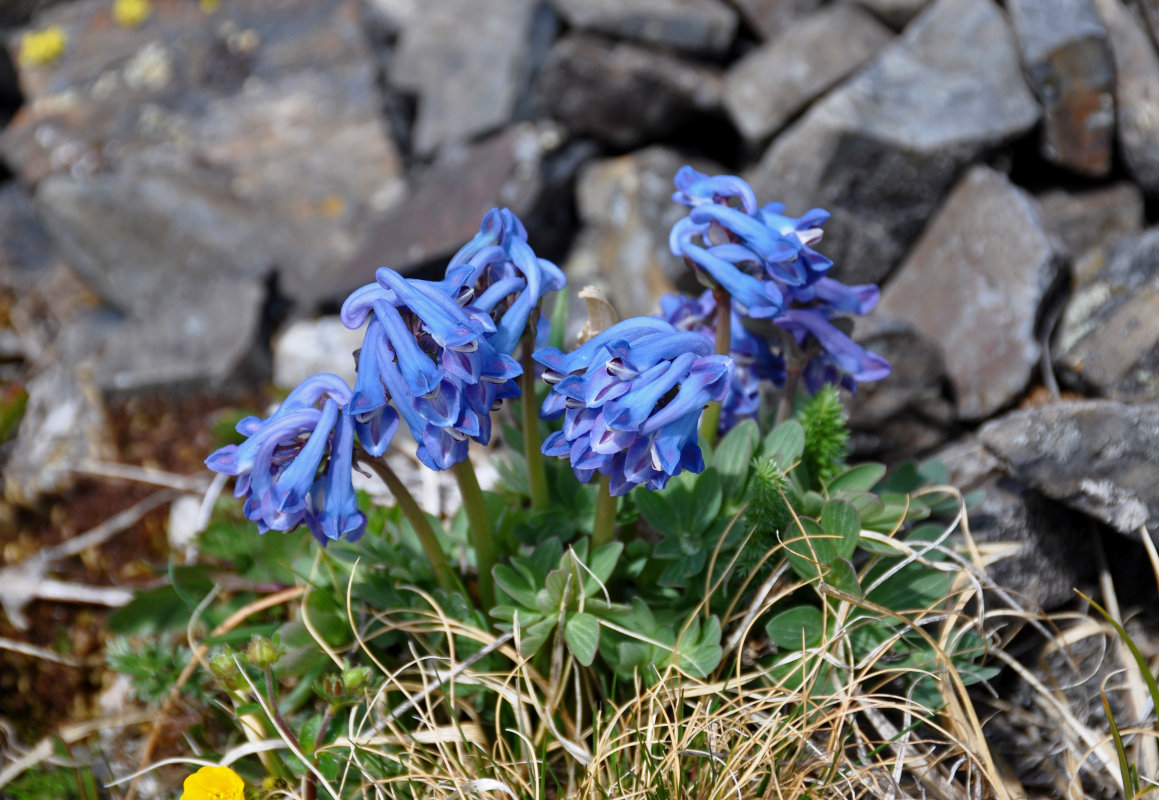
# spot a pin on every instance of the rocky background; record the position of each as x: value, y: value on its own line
x: 187, y: 200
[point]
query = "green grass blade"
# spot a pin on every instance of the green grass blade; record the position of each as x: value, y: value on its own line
x: 1129, y: 786
x: 1140, y: 661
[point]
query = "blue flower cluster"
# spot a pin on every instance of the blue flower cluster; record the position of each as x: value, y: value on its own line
x: 436, y: 354
x: 778, y: 285
x: 277, y: 466
x: 631, y: 398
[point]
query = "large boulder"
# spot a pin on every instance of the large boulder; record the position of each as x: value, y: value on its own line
x: 1097, y: 456
x: 880, y: 150
x: 184, y: 163
x: 1068, y: 61
x: 974, y: 283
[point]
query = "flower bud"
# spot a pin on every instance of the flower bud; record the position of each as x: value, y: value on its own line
x: 263, y: 652
x: 355, y: 678
x: 222, y: 664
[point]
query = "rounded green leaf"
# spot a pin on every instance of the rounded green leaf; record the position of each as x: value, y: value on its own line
x: 841, y: 520
x: 582, y: 634
x: 797, y: 626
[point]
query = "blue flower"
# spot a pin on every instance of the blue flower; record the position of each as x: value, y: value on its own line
x: 753, y: 359
x: 833, y: 356
x: 631, y: 399
x: 766, y: 263
x: 438, y: 354
x: 695, y: 188
x: 277, y: 466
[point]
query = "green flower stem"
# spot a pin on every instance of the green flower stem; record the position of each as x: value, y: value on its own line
x: 536, y: 474
x: 479, y: 530
x: 604, y: 528
x: 444, y: 575
x: 710, y: 420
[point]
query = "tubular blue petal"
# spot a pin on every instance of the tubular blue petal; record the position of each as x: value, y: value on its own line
x: 376, y: 429
x: 579, y: 358
x: 293, y: 485
x: 444, y: 317
x: 758, y: 298
x: 420, y: 373
x: 339, y: 516
x: 695, y: 188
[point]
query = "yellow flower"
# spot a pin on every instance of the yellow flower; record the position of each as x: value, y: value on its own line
x: 214, y: 783
x: 209, y: 6
x: 131, y: 13
x: 39, y: 48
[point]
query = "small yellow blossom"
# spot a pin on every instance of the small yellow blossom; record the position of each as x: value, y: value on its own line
x: 214, y: 783
x: 131, y: 13
x: 209, y: 6
x: 39, y: 48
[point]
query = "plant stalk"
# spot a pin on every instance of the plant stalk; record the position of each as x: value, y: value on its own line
x: 710, y: 419
x: 479, y: 530
x: 536, y: 474
x: 444, y: 575
x: 604, y: 528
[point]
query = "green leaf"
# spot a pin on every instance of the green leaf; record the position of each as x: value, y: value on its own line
x: 841, y: 575
x: 915, y: 587
x: 535, y: 636
x: 731, y: 460
x: 840, y: 519
x: 559, y: 591
x: 808, y: 549
x: 688, y: 504
x: 707, y: 496
x: 660, y: 511
x: 796, y: 626
x: 164, y: 608
x: 547, y: 556
x: 582, y: 634
x: 906, y: 478
x: 785, y: 444
x: 514, y: 586
x: 602, y: 564
x: 861, y: 478
x: 699, y: 649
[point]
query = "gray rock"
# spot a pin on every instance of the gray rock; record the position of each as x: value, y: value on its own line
x: 1040, y: 549
x: 771, y: 18
x: 1150, y: 11
x: 626, y: 210
x: 64, y: 425
x: 1109, y: 333
x: 702, y: 26
x: 27, y: 251
x: 895, y: 13
x: 199, y: 335
x: 269, y: 113
x: 1034, y: 546
x: 974, y: 282
x: 907, y: 413
x: 448, y: 203
x: 1097, y: 456
x: 621, y: 93
x: 769, y: 86
x: 881, y: 149
x: 468, y: 61
x: 307, y: 347
x: 18, y: 12
x: 1089, y: 220
x: 1068, y: 60
x: 137, y: 235
x: 1136, y: 92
